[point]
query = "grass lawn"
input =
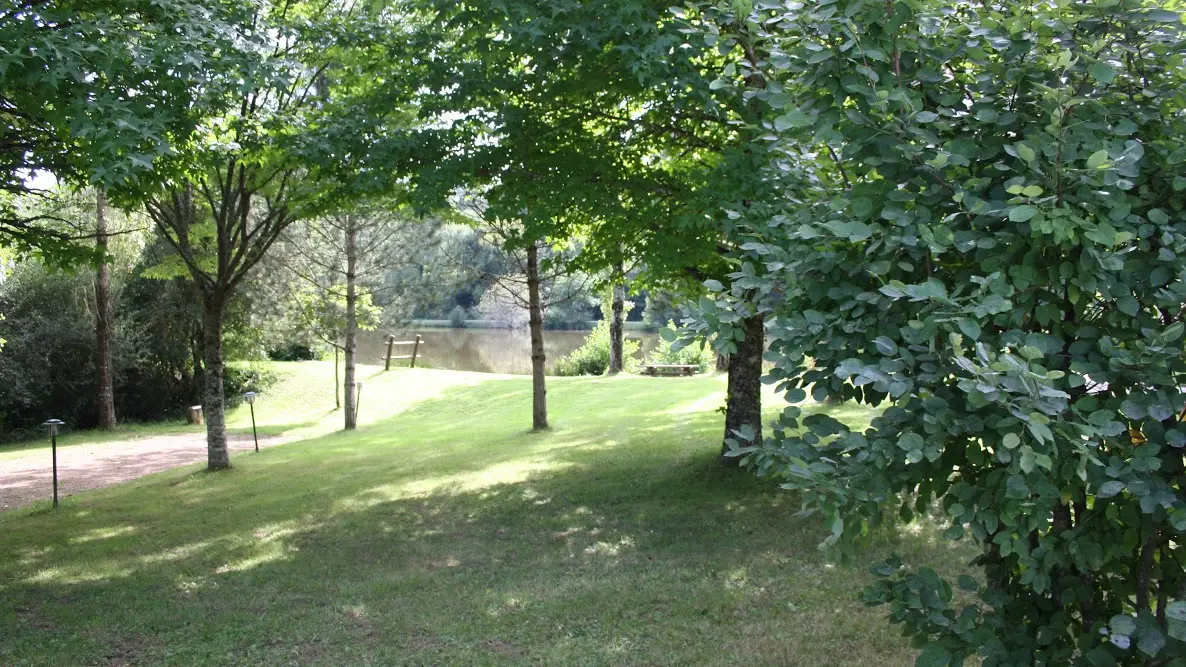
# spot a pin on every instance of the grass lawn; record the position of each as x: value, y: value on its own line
x: 442, y: 533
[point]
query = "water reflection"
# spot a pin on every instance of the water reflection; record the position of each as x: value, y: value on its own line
x: 484, y: 350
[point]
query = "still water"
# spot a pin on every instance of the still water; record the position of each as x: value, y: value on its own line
x: 483, y: 350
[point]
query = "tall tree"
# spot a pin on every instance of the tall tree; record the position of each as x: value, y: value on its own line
x: 597, y: 118
x: 617, y: 324
x: 285, y: 141
x: 532, y: 284
x: 106, y: 391
x: 342, y: 259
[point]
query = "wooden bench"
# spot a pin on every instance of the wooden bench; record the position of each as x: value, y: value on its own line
x: 669, y: 370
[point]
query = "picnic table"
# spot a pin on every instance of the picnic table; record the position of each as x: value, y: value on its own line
x: 669, y: 370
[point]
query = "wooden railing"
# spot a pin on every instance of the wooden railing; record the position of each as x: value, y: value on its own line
x: 392, y: 342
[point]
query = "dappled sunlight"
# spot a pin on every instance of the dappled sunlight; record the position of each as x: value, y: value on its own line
x: 510, y: 472
x: 268, y: 552
x: 446, y: 534
x: 102, y: 534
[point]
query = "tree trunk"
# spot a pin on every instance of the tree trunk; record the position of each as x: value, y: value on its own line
x: 103, y: 317
x: 213, y: 405
x: 337, y: 386
x: 744, y: 404
x: 616, y: 325
x: 539, y: 390
x: 351, y: 323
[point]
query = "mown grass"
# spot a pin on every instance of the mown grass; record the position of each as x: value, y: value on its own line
x: 445, y: 534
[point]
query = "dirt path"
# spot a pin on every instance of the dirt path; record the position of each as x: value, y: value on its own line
x: 27, y: 479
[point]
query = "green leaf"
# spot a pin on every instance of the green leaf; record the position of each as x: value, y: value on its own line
x: 793, y: 118
x: 933, y: 655
x: 1025, y: 153
x: 909, y: 441
x: 1151, y: 641
x: 1123, y: 624
x: 969, y: 327
x: 1032, y: 191
x: 1011, y: 441
x: 1102, y: 72
x: 1128, y: 305
x: 1164, y: 16
x: 1027, y: 460
x: 1015, y: 487
x: 1097, y: 160
x: 1109, y: 489
x: 1175, y: 614
x: 926, y: 116
x: 713, y: 285
x: 968, y: 583
x: 885, y: 345
x: 1022, y: 213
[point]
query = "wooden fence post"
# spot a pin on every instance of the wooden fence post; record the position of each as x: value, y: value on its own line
x: 415, y: 350
x: 390, y: 342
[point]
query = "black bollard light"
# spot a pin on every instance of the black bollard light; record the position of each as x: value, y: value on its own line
x: 250, y: 396
x: 53, y: 425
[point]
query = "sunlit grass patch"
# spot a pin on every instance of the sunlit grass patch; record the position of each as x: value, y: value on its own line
x: 446, y: 533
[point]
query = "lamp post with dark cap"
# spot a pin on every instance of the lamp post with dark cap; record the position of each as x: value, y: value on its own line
x: 250, y: 396
x: 53, y: 425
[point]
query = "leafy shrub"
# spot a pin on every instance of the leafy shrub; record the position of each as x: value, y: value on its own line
x: 994, y: 254
x: 592, y: 357
x: 293, y: 352
x: 674, y: 352
x: 457, y: 317
x: 240, y: 378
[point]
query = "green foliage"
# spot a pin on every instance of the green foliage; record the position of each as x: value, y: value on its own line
x: 980, y: 230
x: 671, y: 350
x: 102, y: 93
x: 592, y: 357
x: 457, y: 317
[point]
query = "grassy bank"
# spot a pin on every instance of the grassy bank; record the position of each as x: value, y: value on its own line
x: 443, y: 533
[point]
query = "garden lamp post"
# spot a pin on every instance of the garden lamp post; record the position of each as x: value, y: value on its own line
x: 250, y: 396
x: 357, y: 398
x: 53, y: 425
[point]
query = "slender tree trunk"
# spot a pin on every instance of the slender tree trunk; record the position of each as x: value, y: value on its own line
x: 103, y: 317
x: 337, y: 385
x: 539, y: 389
x: 616, y: 324
x: 213, y: 405
x: 351, y: 322
x: 744, y: 403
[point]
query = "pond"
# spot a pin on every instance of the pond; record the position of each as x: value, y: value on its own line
x: 483, y: 350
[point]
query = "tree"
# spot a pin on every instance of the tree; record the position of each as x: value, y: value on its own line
x: 288, y: 134
x: 98, y: 93
x: 601, y: 122
x: 106, y: 393
x: 617, y: 323
x: 531, y: 284
x: 343, y: 258
x: 981, y: 234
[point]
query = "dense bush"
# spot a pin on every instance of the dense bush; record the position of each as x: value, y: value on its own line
x: 592, y: 357
x: 457, y: 317
x: 293, y: 352
x: 981, y: 231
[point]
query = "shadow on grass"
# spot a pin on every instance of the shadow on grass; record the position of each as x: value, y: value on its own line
x: 447, y: 535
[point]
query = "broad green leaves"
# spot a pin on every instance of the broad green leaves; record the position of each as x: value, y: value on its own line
x: 991, y: 252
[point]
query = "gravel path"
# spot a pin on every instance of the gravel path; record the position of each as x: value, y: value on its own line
x: 27, y: 479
